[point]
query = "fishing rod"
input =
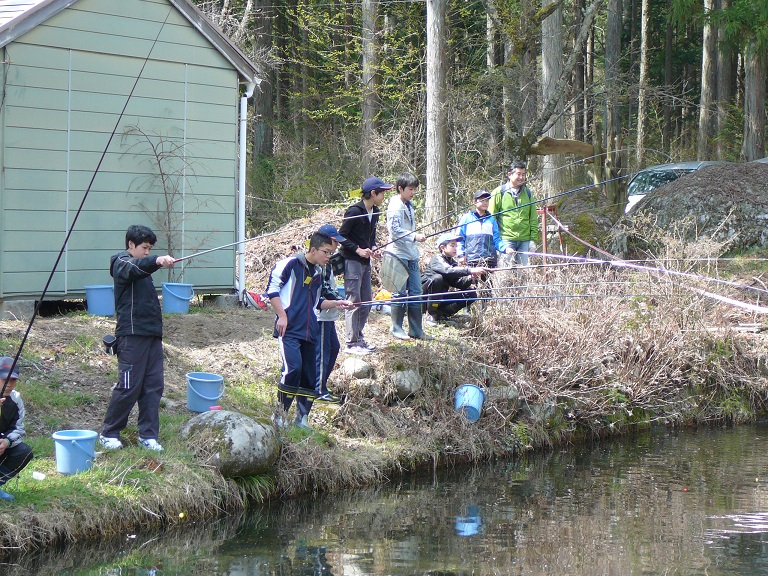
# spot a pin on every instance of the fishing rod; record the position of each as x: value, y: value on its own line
x: 419, y: 300
x: 437, y: 296
x: 80, y: 208
x: 518, y: 207
x: 619, y: 263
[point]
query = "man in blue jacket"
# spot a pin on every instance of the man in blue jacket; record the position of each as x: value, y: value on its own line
x: 479, y: 238
x: 295, y: 292
x: 139, y: 345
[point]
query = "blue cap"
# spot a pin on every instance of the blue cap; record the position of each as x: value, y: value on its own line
x: 5, y: 368
x: 445, y: 238
x: 331, y: 231
x: 374, y: 183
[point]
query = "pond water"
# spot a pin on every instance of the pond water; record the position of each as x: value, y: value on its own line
x: 667, y: 502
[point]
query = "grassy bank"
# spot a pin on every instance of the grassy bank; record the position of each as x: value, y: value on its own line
x: 581, y: 351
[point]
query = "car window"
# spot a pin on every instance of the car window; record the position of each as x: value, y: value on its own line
x: 644, y: 182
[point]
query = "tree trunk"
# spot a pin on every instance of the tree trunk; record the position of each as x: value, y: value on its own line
x: 263, y: 115
x: 666, y: 130
x: 753, y: 146
x: 726, y: 86
x: 551, y: 70
x: 577, y: 90
x: 707, y: 118
x: 437, y: 164
x: 612, y: 120
x: 370, y: 104
x: 642, y: 98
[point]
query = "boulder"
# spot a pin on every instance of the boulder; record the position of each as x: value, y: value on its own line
x: 233, y: 443
x: 356, y: 368
x: 406, y: 382
x: 368, y: 387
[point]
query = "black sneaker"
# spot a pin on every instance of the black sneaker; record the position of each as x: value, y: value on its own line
x: 329, y: 398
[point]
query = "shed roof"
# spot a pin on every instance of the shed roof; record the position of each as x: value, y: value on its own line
x: 19, y: 16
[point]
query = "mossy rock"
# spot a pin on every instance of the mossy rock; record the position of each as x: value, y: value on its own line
x: 233, y: 443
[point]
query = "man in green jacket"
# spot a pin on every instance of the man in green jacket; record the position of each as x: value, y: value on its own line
x: 515, y: 209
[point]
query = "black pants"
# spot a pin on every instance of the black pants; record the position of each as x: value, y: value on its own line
x: 13, y: 461
x: 140, y: 379
x: 445, y: 304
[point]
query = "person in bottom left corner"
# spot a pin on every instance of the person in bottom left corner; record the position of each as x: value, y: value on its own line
x: 14, y: 454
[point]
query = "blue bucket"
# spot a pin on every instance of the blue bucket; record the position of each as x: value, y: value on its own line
x: 470, y: 524
x: 176, y: 297
x: 203, y: 390
x: 75, y: 450
x: 469, y: 399
x: 100, y: 299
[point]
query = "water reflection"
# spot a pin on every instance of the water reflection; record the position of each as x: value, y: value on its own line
x: 688, y: 503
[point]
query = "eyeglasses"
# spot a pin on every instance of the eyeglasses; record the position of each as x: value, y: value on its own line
x: 328, y: 253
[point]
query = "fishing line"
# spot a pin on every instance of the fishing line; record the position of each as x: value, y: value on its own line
x: 619, y: 263
x: 518, y: 207
x: 420, y: 300
x: 80, y: 208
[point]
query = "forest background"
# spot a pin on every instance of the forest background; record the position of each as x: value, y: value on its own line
x: 586, y: 91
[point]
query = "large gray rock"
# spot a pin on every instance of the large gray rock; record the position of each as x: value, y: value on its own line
x: 356, y: 368
x: 407, y: 383
x: 233, y: 443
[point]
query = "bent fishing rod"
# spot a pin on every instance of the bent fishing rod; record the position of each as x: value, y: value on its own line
x: 80, y: 208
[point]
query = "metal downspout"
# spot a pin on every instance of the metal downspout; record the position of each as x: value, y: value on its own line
x: 243, y: 137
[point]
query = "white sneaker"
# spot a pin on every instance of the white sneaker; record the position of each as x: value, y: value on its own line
x: 150, y: 444
x: 356, y: 349
x: 110, y: 443
x: 429, y: 320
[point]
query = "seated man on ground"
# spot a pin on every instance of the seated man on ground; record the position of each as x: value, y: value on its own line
x: 443, y: 274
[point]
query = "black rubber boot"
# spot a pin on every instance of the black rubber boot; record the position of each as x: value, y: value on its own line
x: 398, y: 314
x: 414, y: 324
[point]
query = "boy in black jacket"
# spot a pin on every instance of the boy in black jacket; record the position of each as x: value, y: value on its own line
x: 139, y: 333
x: 359, y: 245
x: 443, y: 274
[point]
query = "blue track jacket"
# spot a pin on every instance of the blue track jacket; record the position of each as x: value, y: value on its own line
x: 298, y: 285
x: 479, y: 237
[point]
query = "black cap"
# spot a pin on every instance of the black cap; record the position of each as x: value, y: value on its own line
x: 482, y: 194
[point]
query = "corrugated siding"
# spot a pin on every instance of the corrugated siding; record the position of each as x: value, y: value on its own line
x: 68, y: 81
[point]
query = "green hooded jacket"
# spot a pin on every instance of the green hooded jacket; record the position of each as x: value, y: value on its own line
x: 516, y: 224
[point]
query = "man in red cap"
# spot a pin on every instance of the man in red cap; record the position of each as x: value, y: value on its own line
x: 14, y: 454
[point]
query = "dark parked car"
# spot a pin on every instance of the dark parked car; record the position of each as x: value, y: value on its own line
x: 648, y: 179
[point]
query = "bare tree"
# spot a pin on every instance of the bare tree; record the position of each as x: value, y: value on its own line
x: 370, y: 81
x: 642, y: 98
x: 551, y: 71
x: 753, y: 146
x: 437, y: 165
x: 707, y: 116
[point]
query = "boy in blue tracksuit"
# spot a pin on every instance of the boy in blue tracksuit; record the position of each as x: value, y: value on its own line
x: 295, y: 292
x: 479, y: 238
